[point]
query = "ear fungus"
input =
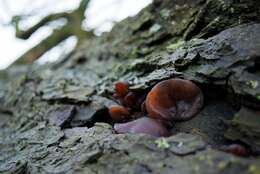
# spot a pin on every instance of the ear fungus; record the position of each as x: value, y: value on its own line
x: 234, y: 149
x: 121, y: 89
x: 174, y: 100
x: 134, y: 100
x: 143, y: 125
x: 168, y: 101
x: 119, y: 113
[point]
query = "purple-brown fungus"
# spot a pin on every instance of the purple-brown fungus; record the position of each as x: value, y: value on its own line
x: 143, y: 125
x: 235, y: 149
x: 119, y: 113
x: 168, y: 101
x: 174, y: 99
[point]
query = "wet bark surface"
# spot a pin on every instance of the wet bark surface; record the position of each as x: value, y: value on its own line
x: 54, y: 118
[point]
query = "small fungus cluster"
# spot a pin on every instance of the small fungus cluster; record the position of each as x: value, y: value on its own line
x: 235, y: 149
x: 168, y: 101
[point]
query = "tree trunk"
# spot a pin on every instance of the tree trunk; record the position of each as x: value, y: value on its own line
x: 55, y: 117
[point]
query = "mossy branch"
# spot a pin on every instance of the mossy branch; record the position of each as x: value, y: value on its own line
x: 25, y: 34
x: 34, y: 53
x: 72, y: 28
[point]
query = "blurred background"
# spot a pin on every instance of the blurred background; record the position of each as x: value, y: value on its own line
x: 44, y: 30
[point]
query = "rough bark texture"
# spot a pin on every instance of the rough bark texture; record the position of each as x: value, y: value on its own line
x: 54, y: 118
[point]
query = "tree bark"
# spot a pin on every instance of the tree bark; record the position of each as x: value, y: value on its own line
x: 56, y: 120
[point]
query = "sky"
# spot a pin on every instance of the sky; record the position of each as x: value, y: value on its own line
x: 101, y: 16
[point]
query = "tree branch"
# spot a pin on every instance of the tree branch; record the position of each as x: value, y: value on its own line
x: 27, y: 33
x: 55, y: 38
